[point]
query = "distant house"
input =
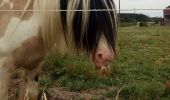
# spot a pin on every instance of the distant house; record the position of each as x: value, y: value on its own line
x: 166, y: 19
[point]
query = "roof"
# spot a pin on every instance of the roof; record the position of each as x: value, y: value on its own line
x: 167, y: 11
x: 168, y: 6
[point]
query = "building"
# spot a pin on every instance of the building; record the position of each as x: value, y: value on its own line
x: 166, y: 20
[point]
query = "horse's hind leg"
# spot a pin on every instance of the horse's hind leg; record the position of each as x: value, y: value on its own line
x: 29, y: 86
x: 6, y: 68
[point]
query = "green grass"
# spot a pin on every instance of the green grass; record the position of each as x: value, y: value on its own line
x: 143, y: 64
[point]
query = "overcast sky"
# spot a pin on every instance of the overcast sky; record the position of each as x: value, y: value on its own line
x: 144, y: 4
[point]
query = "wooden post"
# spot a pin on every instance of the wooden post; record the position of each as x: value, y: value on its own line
x: 119, y: 13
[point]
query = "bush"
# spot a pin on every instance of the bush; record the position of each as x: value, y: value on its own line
x: 126, y: 24
x: 143, y: 24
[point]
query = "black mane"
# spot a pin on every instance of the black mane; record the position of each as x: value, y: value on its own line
x: 99, y: 23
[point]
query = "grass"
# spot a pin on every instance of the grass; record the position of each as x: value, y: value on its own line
x: 143, y: 64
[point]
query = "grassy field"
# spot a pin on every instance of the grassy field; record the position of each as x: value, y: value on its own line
x: 141, y: 71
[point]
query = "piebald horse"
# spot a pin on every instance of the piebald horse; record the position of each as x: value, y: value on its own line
x: 63, y: 26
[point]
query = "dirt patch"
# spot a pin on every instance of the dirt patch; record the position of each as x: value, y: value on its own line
x: 14, y: 89
x: 60, y: 93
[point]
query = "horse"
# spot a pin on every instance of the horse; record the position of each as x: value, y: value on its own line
x: 61, y: 26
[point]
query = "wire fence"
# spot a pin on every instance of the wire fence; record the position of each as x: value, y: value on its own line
x: 90, y: 10
x: 123, y: 16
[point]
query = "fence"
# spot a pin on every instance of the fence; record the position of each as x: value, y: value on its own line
x: 128, y: 16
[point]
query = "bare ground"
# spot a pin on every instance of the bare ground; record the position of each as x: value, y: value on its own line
x: 60, y: 93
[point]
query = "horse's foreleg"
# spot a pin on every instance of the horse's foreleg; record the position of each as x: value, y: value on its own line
x: 6, y: 68
x: 29, y: 86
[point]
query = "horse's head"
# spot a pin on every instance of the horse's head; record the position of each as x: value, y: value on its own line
x: 94, y: 32
x: 91, y: 31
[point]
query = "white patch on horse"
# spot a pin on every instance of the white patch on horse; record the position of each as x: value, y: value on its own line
x: 25, y: 30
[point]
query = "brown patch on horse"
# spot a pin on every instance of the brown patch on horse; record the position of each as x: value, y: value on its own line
x: 8, y: 63
x: 30, y: 53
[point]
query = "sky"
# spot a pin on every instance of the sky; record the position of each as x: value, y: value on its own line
x: 144, y: 4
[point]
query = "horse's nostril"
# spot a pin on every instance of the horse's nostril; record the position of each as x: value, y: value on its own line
x: 104, y: 58
x: 100, y: 56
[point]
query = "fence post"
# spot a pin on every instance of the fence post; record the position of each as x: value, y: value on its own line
x: 119, y: 15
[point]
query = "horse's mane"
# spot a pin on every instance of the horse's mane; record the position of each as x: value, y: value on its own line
x: 79, y: 29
